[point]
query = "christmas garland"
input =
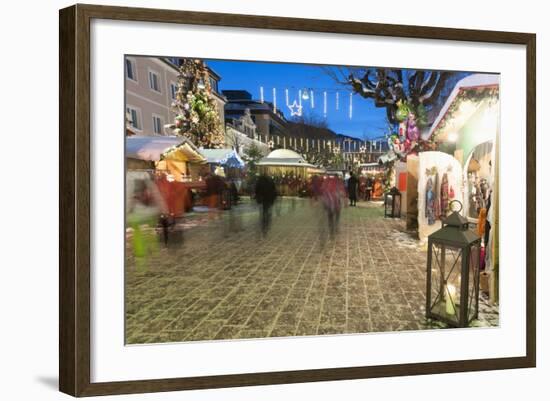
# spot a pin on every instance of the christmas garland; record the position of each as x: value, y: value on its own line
x: 412, y: 119
x: 474, y: 95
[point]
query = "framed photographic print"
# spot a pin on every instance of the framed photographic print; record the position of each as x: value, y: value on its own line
x: 250, y: 200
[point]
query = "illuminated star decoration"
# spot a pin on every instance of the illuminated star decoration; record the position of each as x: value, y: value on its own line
x: 295, y: 109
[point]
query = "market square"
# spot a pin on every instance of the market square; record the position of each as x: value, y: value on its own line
x: 361, y: 200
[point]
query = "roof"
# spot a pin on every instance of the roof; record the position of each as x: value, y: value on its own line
x: 284, y: 157
x: 155, y: 148
x: 470, y: 82
x: 228, y: 157
x: 237, y: 94
x: 169, y: 61
x: 283, y: 154
x: 304, y: 130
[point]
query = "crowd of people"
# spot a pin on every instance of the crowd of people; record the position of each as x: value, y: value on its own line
x: 158, y: 203
x: 330, y: 191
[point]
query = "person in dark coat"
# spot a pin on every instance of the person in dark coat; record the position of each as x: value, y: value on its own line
x: 266, y: 193
x: 234, y: 193
x: 368, y: 190
x: 214, y: 189
x: 353, y: 184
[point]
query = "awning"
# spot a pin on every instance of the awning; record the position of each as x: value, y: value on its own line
x: 224, y: 157
x: 156, y: 148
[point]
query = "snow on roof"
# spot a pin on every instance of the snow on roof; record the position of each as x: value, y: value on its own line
x: 151, y: 148
x: 283, y: 154
x: 470, y: 82
x: 284, y: 157
x: 223, y: 156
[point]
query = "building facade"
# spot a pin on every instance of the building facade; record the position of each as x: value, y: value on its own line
x: 151, y: 85
x: 269, y: 123
x: 241, y: 134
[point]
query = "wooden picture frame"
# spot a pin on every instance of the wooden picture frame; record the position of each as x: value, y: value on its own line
x: 75, y: 206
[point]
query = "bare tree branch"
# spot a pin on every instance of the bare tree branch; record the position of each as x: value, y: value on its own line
x: 431, y: 96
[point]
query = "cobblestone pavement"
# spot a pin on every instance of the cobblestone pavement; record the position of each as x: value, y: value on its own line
x: 227, y: 282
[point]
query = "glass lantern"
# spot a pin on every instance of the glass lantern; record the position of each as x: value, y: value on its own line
x: 392, y: 203
x: 452, y: 294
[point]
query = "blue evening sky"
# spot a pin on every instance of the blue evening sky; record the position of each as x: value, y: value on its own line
x: 366, y: 119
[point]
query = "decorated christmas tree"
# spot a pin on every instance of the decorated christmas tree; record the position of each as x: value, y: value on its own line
x: 197, y: 117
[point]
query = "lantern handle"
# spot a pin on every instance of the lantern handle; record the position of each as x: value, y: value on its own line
x: 455, y: 201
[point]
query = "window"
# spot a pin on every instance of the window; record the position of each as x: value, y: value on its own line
x: 134, y: 117
x: 173, y: 90
x: 131, y: 69
x: 154, y: 81
x: 214, y: 85
x: 157, y: 124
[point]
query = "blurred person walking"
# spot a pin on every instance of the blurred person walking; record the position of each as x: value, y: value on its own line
x: 353, y: 184
x: 332, y: 192
x: 144, y: 205
x: 266, y: 193
x: 368, y: 191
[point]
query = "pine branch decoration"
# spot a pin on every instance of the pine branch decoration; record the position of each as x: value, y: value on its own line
x: 197, y: 117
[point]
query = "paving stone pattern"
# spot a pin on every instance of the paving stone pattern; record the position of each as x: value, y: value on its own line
x: 226, y: 281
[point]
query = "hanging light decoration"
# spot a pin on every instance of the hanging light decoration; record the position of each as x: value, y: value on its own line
x: 312, y: 99
x: 305, y: 94
x: 325, y: 103
x: 350, y: 105
x: 274, y: 100
x: 337, y: 100
x: 295, y: 109
x: 261, y: 94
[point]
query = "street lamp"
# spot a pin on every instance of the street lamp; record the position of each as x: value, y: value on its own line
x: 452, y: 288
x: 270, y: 144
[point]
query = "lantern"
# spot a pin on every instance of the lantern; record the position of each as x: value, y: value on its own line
x: 452, y: 294
x: 392, y: 203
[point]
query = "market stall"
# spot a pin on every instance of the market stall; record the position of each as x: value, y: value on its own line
x: 169, y: 154
x: 226, y: 159
x: 174, y: 163
x: 290, y: 170
x: 468, y: 127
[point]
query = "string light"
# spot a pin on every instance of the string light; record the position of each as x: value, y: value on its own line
x: 295, y: 109
x: 307, y: 94
x: 296, y: 106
